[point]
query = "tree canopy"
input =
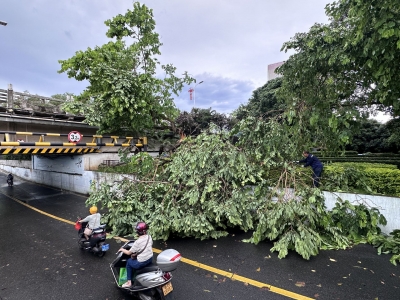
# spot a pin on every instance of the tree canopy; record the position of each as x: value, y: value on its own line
x: 263, y: 102
x: 211, y: 184
x: 125, y: 93
x: 342, y: 70
x: 199, y: 120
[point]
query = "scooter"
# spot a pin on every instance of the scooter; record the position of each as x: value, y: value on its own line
x: 10, y: 182
x: 152, y: 282
x: 96, y: 243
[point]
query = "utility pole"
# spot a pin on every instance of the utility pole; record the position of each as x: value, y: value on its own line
x: 194, y: 94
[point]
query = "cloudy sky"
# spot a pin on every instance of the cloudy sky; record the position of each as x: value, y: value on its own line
x: 227, y: 44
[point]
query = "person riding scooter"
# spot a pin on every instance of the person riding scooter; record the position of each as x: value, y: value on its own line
x: 141, y: 252
x: 93, y: 221
x: 10, y: 179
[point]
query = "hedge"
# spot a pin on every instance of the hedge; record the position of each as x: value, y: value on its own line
x: 366, y: 178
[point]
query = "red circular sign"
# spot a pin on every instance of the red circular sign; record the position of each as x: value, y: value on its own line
x: 74, y: 136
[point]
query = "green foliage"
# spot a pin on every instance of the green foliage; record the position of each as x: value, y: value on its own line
x: 362, y: 178
x: 201, y: 192
x: 389, y: 244
x: 393, y: 141
x: 370, y: 45
x: 198, y: 120
x: 341, y: 71
x: 384, y: 181
x: 210, y: 184
x: 357, y: 222
x: 263, y: 103
x: 124, y: 93
x: 340, y: 177
x: 371, y: 137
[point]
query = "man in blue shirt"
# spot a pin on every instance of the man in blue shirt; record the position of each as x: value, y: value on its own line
x: 312, y: 161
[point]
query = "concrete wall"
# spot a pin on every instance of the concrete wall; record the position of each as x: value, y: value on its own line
x: 70, y: 164
x: 80, y: 183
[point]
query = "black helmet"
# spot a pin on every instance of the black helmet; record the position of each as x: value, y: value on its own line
x: 141, y: 228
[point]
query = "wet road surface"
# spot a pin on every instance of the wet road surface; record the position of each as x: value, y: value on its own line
x: 40, y: 259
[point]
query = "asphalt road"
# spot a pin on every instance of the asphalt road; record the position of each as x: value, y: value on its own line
x: 39, y: 259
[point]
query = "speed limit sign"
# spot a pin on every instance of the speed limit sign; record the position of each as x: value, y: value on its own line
x: 74, y: 136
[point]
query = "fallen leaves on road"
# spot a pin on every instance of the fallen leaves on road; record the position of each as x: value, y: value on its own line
x: 207, y: 291
x: 222, y: 280
x: 259, y: 269
x: 331, y: 259
x: 313, y: 271
x: 300, y: 284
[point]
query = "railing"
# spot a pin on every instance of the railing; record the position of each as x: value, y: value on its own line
x: 35, y: 105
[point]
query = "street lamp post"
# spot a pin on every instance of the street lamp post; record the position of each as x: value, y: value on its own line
x: 194, y: 94
x: 3, y: 23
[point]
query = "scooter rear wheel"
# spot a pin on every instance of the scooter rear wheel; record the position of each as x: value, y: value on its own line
x: 101, y: 253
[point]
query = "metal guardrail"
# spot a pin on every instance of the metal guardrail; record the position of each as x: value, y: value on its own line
x: 19, y: 146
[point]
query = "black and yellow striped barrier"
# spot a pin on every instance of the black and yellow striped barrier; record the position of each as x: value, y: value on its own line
x: 41, y: 147
x: 48, y: 150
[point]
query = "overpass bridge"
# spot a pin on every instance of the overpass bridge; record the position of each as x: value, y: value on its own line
x: 42, y: 143
x: 33, y: 124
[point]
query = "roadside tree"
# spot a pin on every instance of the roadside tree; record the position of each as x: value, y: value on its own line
x: 125, y: 93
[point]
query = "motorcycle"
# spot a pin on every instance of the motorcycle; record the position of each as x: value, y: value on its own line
x: 152, y: 282
x: 10, y: 182
x: 96, y: 243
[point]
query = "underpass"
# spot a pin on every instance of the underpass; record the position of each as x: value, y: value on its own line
x: 39, y: 259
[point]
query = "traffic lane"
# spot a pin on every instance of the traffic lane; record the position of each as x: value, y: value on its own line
x: 27, y: 191
x: 195, y: 283
x: 356, y: 273
x: 321, y: 276
x: 40, y: 259
x: 52, y: 200
x: 58, y: 269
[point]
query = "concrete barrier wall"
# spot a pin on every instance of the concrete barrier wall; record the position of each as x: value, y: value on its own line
x: 80, y: 183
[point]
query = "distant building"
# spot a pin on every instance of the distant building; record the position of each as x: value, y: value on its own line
x: 271, y: 70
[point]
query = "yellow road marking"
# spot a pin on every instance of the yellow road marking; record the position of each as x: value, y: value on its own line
x: 230, y: 275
